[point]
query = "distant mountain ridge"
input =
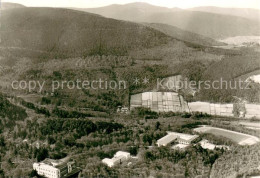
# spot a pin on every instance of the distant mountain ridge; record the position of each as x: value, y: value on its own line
x: 253, y: 14
x: 140, y: 8
x: 212, y: 25
x: 132, y: 11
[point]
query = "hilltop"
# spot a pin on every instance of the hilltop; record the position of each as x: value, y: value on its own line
x: 74, y: 32
x: 7, y: 5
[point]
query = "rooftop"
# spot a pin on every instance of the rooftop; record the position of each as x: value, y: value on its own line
x: 183, y: 136
x: 166, y: 139
x: 206, y: 145
x: 175, y: 135
x: 120, y: 155
x: 56, y: 163
x: 179, y: 146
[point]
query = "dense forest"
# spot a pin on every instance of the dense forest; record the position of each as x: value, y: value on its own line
x: 10, y: 111
x: 89, y: 140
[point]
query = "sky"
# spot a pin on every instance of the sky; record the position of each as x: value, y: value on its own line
x: 165, y: 3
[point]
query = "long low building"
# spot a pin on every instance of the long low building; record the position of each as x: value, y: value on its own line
x: 164, y: 141
x: 118, y: 158
x: 181, y: 138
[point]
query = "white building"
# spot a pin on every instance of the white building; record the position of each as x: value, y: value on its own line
x: 118, y: 158
x: 179, y: 146
x: 164, y: 141
x: 56, y: 168
x: 123, y: 110
x: 181, y: 138
x: 46, y: 170
x: 206, y: 145
x: 185, y: 139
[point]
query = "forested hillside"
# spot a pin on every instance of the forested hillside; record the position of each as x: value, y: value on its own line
x: 184, y: 35
x: 11, y: 112
x: 241, y: 162
x: 230, y: 69
x: 74, y: 33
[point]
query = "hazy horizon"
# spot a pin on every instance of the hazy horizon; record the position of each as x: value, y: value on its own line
x: 184, y: 4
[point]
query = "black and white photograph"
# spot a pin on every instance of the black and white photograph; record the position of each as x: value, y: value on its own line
x: 129, y: 88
